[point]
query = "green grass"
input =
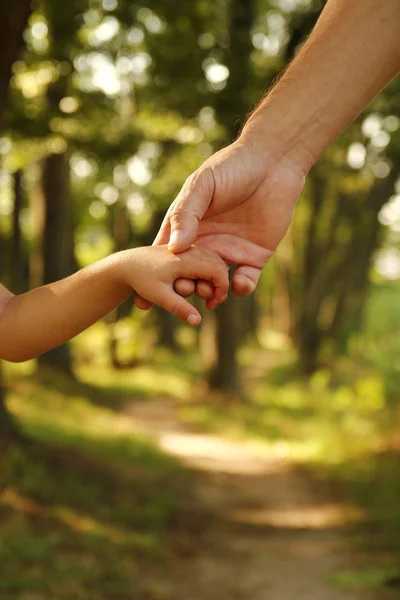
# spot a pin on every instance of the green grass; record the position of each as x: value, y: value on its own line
x: 369, y: 578
x: 86, y: 505
x: 71, y: 530
x: 63, y: 413
x: 80, y: 518
x: 380, y: 343
x: 310, y: 420
x: 343, y: 423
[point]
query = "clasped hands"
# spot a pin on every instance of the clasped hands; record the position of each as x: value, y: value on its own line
x: 238, y: 204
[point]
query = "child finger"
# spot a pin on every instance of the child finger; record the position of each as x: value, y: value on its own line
x: 179, y: 307
x: 142, y: 303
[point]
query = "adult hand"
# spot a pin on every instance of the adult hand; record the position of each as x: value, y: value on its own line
x: 241, y: 200
x: 239, y: 203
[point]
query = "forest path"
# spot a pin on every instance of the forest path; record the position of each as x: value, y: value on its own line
x: 269, y: 532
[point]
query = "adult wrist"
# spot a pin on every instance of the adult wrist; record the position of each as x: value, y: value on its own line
x: 279, y: 139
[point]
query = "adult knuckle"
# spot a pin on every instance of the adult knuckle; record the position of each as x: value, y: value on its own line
x: 223, y: 272
x: 179, y: 213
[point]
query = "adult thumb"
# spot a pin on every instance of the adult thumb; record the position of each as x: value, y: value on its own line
x: 189, y: 208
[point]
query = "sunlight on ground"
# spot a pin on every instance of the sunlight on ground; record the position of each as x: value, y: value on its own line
x: 144, y: 380
x: 69, y: 414
x: 213, y: 453
x: 304, y: 517
x: 146, y: 420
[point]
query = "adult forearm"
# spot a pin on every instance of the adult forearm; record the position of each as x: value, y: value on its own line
x: 352, y: 53
x: 46, y: 317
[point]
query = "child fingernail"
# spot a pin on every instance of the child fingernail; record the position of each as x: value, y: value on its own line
x: 193, y: 320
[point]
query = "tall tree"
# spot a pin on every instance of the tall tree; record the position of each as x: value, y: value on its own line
x: 12, y: 23
x: 331, y: 278
x: 17, y: 262
x: 231, y: 106
x: 58, y: 234
x: 13, y: 20
x: 57, y: 240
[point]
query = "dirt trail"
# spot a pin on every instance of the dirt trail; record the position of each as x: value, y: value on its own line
x: 269, y: 532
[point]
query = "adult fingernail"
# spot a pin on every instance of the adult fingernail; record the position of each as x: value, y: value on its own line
x: 193, y: 320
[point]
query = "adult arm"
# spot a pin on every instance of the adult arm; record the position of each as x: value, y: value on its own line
x: 352, y: 53
x: 249, y: 189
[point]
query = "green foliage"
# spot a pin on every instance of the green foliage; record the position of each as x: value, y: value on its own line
x: 368, y: 578
x: 137, y: 96
x: 81, y: 514
x: 79, y: 517
x: 382, y: 337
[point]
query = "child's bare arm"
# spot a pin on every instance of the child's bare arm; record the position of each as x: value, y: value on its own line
x: 41, y: 319
x: 45, y: 317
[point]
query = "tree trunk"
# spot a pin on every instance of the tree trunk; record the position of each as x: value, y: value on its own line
x: 225, y: 376
x: 334, y: 271
x: 57, y: 241
x: 13, y: 19
x: 249, y: 316
x: 366, y: 239
x: 37, y: 210
x: 164, y: 321
x: 9, y: 432
x: 122, y: 238
x: 166, y: 327
x: 232, y: 105
x: 17, y: 263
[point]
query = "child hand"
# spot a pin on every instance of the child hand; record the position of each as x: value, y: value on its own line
x: 152, y: 272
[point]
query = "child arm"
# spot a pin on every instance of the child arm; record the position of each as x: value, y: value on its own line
x: 43, y: 318
x: 48, y: 316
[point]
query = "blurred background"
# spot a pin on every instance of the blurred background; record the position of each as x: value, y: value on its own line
x: 111, y: 105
